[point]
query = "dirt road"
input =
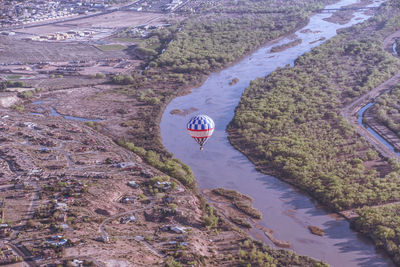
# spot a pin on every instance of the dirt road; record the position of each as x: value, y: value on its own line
x: 350, y: 110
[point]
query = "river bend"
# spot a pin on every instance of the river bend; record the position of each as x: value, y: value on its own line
x: 285, y: 210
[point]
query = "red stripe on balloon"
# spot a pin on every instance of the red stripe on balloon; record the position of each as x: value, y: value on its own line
x: 200, y: 130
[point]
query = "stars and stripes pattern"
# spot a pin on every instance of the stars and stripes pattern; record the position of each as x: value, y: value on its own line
x: 200, y: 128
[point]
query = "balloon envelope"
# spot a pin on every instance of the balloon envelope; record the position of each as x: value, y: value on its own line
x: 200, y: 128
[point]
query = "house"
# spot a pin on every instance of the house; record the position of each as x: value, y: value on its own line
x: 61, y: 206
x: 146, y: 174
x: 184, y: 244
x: 126, y: 165
x: 163, y: 185
x: 57, y: 241
x: 128, y: 219
x: 44, y: 150
x: 77, y: 262
x: 169, y: 199
x: 178, y: 229
x: 5, y: 230
x: 104, y: 238
x: 64, y: 226
x: 62, y: 242
x: 30, y: 125
x: 127, y: 200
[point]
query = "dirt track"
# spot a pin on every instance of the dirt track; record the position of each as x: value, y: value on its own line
x: 350, y: 110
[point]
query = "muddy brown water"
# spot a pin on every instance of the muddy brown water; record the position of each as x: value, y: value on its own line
x: 285, y: 210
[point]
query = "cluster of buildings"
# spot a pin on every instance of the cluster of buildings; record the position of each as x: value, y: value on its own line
x: 61, y: 36
x: 8, y: 256
x: 22, y: 12
x: 172, y: 5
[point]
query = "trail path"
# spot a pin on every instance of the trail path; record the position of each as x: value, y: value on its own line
x: 350, y: 110
x: 105, y: 235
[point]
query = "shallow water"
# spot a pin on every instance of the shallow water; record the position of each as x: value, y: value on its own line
x: 285, y: 210
x: 54, y: 112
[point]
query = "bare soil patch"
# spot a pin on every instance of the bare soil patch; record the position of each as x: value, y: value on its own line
x: 19, y: 51
x: 111, y: 20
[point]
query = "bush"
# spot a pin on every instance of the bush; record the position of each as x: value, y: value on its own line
x: 171, y: 166
x: 288, y: 122
x: 122, y: 79
x: 100, y: 75
x: 26, y: 94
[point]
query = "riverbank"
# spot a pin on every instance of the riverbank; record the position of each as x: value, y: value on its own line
x: 201, y: 46
x: 121, y: 111
x: 288, y: 212
x: 300, y: 136
x: 351, y: 110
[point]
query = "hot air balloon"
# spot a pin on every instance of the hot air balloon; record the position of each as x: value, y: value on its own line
x: 200, y: 128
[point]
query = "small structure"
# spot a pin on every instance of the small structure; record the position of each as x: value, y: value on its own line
x: 163, y: 185
x: 146, y: 174
x: 5, y: 230
x: 124, y: 165
x: 104, y: 238
x: 173, y: 228
x: 30, y: 125
x: 127, y: 219
x: 133, y: 184
x: 169, y: 199
x: 77, y: 262
x: 139, y: 238
x: 61, y: 206
x: 44, y: 150
x: 127, y: 200
x: 178, y: 229
x: 57, y: 241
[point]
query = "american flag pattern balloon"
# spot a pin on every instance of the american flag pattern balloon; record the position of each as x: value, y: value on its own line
x: 200, y: 128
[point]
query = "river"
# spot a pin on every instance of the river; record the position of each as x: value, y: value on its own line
x: 285, y: 210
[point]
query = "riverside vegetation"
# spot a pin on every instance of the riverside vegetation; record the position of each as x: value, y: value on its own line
x: 382, y: 224
x: 182, y: 55
x: 290, y: 122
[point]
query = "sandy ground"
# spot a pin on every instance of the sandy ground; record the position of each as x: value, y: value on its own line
x: 18, y: 51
